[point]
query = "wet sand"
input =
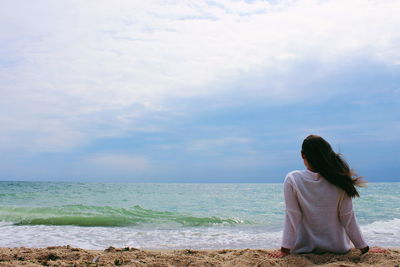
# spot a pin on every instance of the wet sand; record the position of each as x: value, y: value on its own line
x: 69, y: 256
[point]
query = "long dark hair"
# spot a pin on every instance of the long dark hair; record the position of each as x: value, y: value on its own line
x: 330, y: 165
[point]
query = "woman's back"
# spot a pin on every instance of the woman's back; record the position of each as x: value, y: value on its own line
x: 318, y: 215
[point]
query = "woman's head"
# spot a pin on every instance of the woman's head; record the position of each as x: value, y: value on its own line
x: 316, y: 151
x: 320, y: 157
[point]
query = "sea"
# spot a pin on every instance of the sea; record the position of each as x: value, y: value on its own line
x: 170, y: 215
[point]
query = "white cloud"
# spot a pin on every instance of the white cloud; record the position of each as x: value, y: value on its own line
x: 77, y: 70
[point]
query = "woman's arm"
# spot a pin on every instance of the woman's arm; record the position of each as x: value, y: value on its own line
x: 349, y: 222
x: 292, y: 215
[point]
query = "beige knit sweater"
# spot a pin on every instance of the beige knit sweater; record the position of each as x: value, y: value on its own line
x: 319, y: 216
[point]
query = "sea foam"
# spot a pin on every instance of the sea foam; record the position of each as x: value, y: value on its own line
x: 380, y: 233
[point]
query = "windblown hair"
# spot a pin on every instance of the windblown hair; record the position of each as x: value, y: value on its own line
x: 330, y: 165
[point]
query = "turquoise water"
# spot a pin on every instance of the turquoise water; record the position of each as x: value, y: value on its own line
x: 97, y: 215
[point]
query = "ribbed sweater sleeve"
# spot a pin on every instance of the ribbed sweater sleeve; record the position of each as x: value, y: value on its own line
x: 292, y: 214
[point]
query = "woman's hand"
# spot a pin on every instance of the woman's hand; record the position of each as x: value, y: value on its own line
x: 373, y: 250
x: 280, y: 253
x: 378, y: 250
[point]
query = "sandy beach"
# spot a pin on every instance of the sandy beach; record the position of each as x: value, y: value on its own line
x: 69, y: 256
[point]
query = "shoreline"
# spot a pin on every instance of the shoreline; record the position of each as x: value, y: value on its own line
x: 70, y: 256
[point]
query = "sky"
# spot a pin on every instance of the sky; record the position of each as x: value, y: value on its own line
x: 196, y: 91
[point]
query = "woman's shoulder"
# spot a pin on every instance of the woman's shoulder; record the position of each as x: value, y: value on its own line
x: 294, y: 174
x: 304, y: 175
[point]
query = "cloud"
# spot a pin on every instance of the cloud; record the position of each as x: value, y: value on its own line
x: 75, y: 71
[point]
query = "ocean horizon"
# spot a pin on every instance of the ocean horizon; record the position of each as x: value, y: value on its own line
x: 96, y: 215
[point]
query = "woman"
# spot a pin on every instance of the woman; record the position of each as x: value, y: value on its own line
x: 319, y: 212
